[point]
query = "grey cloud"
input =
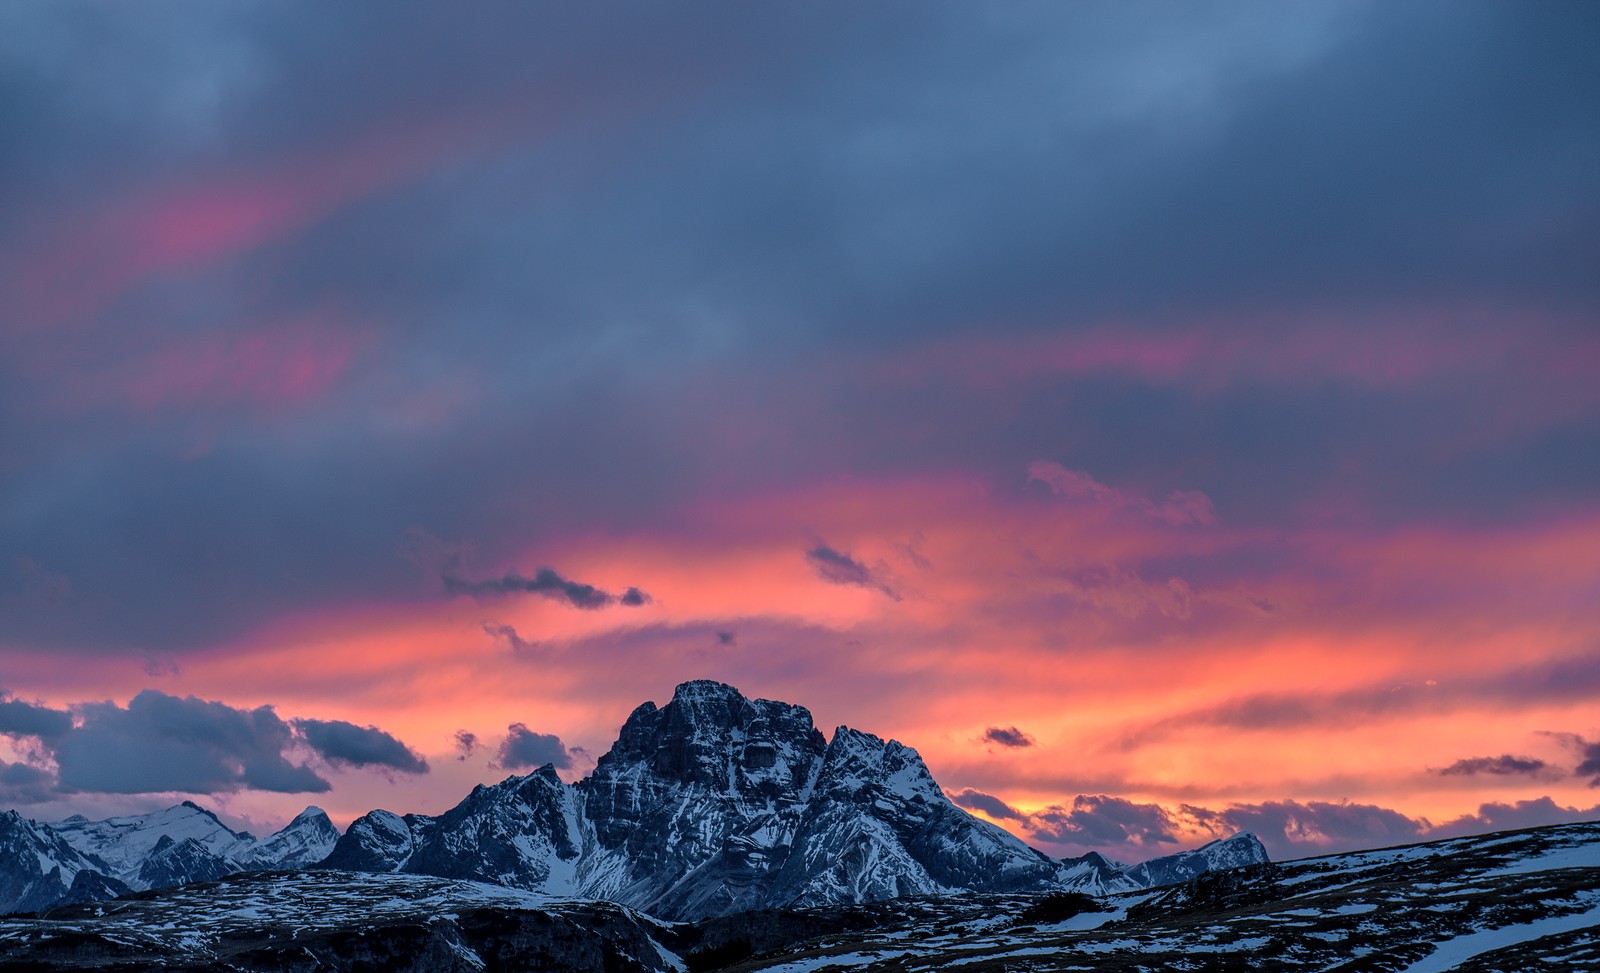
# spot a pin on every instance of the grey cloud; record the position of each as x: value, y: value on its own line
x: 162, y: 743
x: 987, y: 803
x: 546, y: 582
x: 836, y: 567
x: 18, y: 718
x: 1098, y: 820
x: 346, y: 744
x: 1508, y: 817
x: 167, y: 743
x: 467, y: 743
x: 523, y: 748
x: 1503, y: 766
x: 1590, y: 763
x: 509, y: 635
x: 1008, y: 736
x: 1291, y: 828
x: 726, y: 637
x: 23, y: 784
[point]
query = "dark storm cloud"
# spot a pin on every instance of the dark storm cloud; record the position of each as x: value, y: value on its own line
x: 1008, y: 736
x: 1292, y: 829
x: 1504, y: 765
x: 638, y: 227
x: 1104, y: 821
x: 523, y: 748
x: 161, y: 743
x: 548, y: 583
x: 987, y: 803
x: 24, y: 784
x: 345, y: 744
x: 170, y: 743
x: 1497, y: 816
x: 19, y: 718
x: 836, y: 567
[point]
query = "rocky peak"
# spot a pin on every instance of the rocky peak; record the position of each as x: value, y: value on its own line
x: 710, y: 735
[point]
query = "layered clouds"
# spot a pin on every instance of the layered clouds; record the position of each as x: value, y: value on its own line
x: 1148, y: 404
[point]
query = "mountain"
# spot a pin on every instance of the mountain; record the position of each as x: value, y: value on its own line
x: 1501, y: 903
x: 710, y: 805
x: 715, y: 804
x: 38, y: 868
x: 78, y: 860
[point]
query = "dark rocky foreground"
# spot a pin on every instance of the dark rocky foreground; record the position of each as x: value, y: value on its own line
x: 1504, y: 903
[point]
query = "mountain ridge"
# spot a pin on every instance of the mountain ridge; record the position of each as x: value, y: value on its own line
x: 711, y: 804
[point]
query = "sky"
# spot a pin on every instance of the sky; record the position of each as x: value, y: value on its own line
x: 1170, y: 419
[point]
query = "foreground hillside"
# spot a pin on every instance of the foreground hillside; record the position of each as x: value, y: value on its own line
x: 1503, y: 903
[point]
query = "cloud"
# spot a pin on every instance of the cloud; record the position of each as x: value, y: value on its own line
x: 24, y: 784
x: 18, y: 718
x: 167, y: 743
x: 1509, y: 817
x: 1590, y: 763
x: 1504, y: 765
x: 348, y: 745
x: 1008, y: 736
x: 524, y: 748
x: 1292, y: 828
x: 835, y: 567
x: 548, y: 583
x: 508, y: 634
x: 987, y: 803
x: 726, y: 637
x: 1549, y: 679
x: 467, y: 743
x: 1098, y: 820
x: 161, y: 743
x: 1183, y: 507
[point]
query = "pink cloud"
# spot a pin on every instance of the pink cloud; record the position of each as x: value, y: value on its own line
x: 1182, y: 507
x: 266, y: 367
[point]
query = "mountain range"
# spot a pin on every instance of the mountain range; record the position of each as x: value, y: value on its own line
x: 711, y: 805
x: 1501, y: 903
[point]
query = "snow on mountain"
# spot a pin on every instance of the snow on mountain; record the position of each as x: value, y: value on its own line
x: 78, y: 860
x: 126, y: 844
x: 37, y: 867
x: 715, y: 804
x: 710, y: 805
x: 1503, y: 903
x: 304, y: 841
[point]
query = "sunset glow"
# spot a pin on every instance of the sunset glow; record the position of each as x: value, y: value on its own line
x: 1154, y: 475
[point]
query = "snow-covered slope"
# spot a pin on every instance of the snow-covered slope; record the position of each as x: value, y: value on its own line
x: 714, y: 804
x: 1506, y: 903
x: 78, y: 860
x: 38, y: 867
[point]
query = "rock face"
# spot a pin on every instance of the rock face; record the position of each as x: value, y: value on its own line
x: 709, y: 805
x: 38, y: 868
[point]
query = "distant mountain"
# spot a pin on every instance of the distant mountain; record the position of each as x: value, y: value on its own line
x: 78, y: 860
x: 1509, y: 902
x: 715, y: 804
